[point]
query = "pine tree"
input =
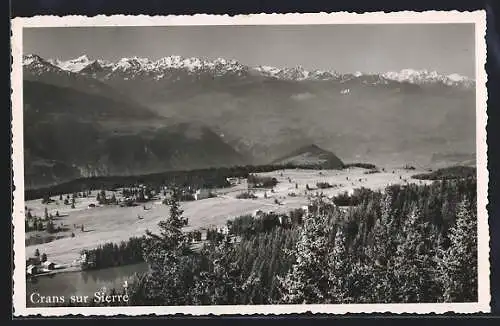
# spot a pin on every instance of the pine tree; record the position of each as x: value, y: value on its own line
x: 167, y: 255
x: 307, y: 280
x: 50, y: 227
x: 102, y: 197
x: 223, y: 282
x: 37, y: 253
x: 381, y: 251
x: 44, y: 257
x: 339, y: 270
x: 46, y: 213
x: 459, y: 262
x: 414, y: 261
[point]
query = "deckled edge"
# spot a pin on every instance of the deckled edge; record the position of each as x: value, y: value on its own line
x: 379, y: 17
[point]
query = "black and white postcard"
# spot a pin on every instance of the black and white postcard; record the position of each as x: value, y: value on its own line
x: 272, y: 164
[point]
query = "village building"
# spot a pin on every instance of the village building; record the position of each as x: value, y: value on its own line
x: 223, y: 230
x: 48, y: 266
x: 31, y: 270
x: 258, y: 213
x: 232, y: 181
x: 201, y: 194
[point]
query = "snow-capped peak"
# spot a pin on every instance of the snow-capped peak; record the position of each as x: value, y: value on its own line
x: 426, y: 76
x: 457, y: 78
x: 37, y: 65
x: 73, y: 65
x: 295, y: 73
x: 30, y: 58
x: 178, y: 62
x: 135, y: 63
x: 82, y: 58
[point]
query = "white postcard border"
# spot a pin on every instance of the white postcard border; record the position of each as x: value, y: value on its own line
x: 407, y: 17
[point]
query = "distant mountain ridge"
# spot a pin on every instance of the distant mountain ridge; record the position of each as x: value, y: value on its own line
x: 137, y: 67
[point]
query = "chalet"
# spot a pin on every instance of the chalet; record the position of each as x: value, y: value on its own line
x: 223, y: 230
x: 31, y: 270
x: 201, y: 194
x: 47, y: 265
x: 258, y: 213
x: 85, y: 262
x: 232, y: 181
x: 251, y: 184
x: 83, y: 258
x: 127, y: 202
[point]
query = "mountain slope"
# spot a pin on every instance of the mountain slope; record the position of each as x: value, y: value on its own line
x: 70, y: 134
x: 46, y: 99
x: 311, y: 155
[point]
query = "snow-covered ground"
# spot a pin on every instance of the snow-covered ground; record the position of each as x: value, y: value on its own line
x: 115, y: 224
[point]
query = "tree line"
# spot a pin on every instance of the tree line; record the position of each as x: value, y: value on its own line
x: 201, y: 178
x: 453, y: 172
x: 112, y: 255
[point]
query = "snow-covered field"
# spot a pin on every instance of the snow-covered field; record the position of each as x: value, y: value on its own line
x: 115, y: 224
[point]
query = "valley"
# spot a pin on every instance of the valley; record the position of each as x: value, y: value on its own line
x: 103, y: 224
x: 139, y: 116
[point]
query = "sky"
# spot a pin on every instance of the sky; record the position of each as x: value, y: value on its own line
x: 446, y: 48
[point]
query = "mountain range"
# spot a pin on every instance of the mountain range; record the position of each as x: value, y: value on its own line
x: 136, y: 68
x: 136, y: 115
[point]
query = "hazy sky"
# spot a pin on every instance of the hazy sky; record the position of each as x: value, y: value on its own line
x: 447, y: 48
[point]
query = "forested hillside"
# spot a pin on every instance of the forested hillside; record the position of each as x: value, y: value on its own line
x: 406, y: 244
